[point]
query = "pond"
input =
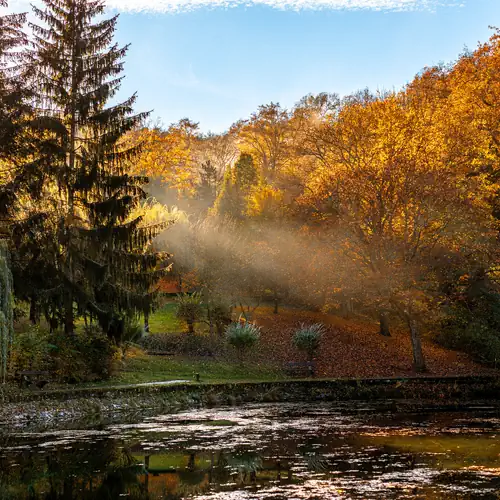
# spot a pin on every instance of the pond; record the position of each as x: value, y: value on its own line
x: 267, y: 451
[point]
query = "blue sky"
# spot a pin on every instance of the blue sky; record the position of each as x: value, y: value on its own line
x: 215, y: 64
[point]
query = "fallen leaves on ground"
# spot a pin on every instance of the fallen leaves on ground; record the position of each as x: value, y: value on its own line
x: 352, y: 348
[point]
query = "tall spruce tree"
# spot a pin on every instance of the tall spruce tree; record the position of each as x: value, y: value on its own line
x: 238, y: 181
x: 12, y: 111
x: 11, y: 90
x: 100, y: 260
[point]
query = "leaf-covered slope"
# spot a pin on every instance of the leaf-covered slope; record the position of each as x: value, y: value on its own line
x: 351, y: 348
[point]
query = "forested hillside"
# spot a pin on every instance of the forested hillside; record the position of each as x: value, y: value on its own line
x: 383, y: 207
x: 380, y: 205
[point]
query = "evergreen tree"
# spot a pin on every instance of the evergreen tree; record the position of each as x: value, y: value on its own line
x: 12, y: 111
x: 11, y: 91
x: 245, y: 173
x: 238, y: 181
x: 99, y: 259
x: 207, y: 188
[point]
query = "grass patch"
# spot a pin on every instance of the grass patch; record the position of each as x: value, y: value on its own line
x: 161, y: 321
x: 164, y: 320
x: 145, y: 369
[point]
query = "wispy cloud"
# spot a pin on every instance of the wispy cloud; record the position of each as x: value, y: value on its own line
x: 175, y: 6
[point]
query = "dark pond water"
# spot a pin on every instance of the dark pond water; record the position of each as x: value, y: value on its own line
x: 316, y: 451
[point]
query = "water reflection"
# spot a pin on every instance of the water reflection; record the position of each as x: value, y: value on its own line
x: 264, y: 452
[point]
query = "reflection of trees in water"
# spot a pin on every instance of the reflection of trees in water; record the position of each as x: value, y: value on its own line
x: 107, y: 469
x: 60, y: 474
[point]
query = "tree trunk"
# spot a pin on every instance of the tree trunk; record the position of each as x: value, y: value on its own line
x: 418, y: 355
x: 146, y: 475
x: 323, y: 298
x: 276, y: 302
x: 345, y: 308
x: 192, y: 461
x: 34, y: 316
x: 68, y: 302
x: 211, y: 323
x: 190, y: 326
x: 384, y: 324
x: 69, y: 320
x: 220, y: 327
x: 146, y: 322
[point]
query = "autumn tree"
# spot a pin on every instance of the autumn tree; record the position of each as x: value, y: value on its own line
x: 264, y: 136
x: 168, y: 156
x: 472, y: 87
x: 398, y: 201
x: 220, y: 152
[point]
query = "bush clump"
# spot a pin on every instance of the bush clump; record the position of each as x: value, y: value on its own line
x: 190, y: 310
x: 242, y: 336
x: 30, y: 351
x: 170, y: 343
x: 84, y: 357
x: 308, y: 339
x: 161, y: 343
x: 476, y: 336
x: 471, y: 321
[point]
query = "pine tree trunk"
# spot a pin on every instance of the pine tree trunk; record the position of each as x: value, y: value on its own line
x: 418, y: 355
x: 146, y: 322
x: 69, y: 320
x: 69, y: 314
x: 190, y: 327
x: 276, y: 302
x: 384, y: 324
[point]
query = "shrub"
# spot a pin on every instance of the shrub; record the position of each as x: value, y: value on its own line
x: 82, y: 358
x: 101, y: 355
x: 308, y: 339
x: 476, y: 338
x: 242, y: 336
x: 30, y: 351
x: 133, y: 330
x: 86, y: 357
x: 220, y: 315
x: 190, y: 309
x: 161, y: 343
x: 472, y: 324
x: 199, y: 345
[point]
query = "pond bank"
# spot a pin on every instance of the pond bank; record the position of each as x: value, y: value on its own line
x: 56, y: 408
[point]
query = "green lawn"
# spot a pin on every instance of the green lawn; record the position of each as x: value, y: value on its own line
x: 165, y: 321
x: 161, y: 321
x: 141, y: 368
x: 157, y: 369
